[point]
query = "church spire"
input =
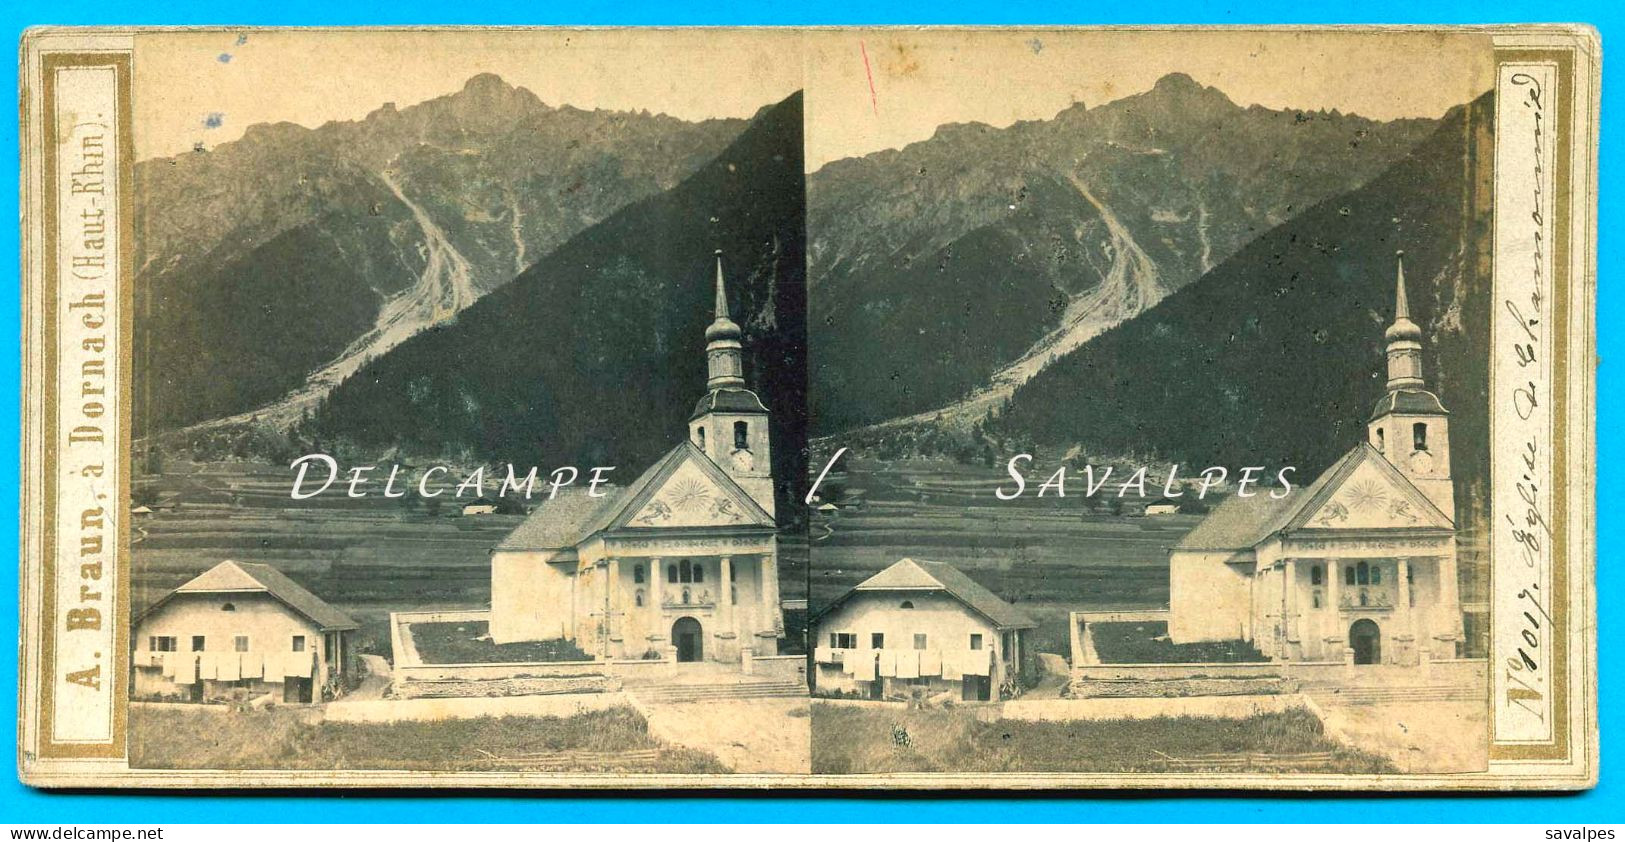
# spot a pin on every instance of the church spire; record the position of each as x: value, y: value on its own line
x: 1404, y: 340
x: 724, y: 355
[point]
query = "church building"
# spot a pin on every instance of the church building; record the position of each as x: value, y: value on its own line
x: 1360, y: 563
x: 681, y: 563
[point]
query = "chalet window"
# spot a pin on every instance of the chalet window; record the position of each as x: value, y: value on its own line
x: 197, y: 642
x: 161, y: 643
x: 637, y: 574
x: 298, y: 643
x: 907, y: 605
x: 843, y: 640
x: 228, y: 607
x: 1419, y: 436
x: 976, y: 641
x: 741, y: 435
x: 699, y: 437
x: 239, y: 643
x: 877, y: 640
x: 919, y: 641
x: 1378, y: 437
x: 1316, y: 575
x: 671, y: 573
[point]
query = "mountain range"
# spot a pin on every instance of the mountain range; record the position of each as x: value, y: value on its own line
x: 1276, y: 356
x: 946, y: 274
x: 595, y: 355
x: 274, y: 266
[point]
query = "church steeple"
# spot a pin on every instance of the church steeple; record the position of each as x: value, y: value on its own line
x: 1408, y: 425
x: 730, y: 423
x: 1404, y: 340
x: 724, y: 355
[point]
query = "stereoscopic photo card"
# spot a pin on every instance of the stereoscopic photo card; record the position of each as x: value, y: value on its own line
x: 875, y: 408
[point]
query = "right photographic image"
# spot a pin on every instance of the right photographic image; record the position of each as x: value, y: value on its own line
x: 1148, y: 394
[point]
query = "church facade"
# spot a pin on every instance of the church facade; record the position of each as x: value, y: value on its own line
x: 682, y: 563
x: 1358, y: 565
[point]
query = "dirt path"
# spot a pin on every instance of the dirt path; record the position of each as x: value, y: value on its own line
x: 374, y: 683
x: 748, y: 735
x: 1432, y: 736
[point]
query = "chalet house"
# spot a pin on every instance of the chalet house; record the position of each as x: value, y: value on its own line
x: 922, y: 628
x: 242, y: 629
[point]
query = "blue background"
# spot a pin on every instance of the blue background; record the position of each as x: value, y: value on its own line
x: 1605, y: 803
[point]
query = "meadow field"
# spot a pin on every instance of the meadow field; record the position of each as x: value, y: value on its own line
x: 208, y: 737
x: 367, y: 556
x: 859, y: 740
x: 1047, y: 555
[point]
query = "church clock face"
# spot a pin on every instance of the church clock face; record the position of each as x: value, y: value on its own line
x: 1422, y: 462
x: 743, y: 461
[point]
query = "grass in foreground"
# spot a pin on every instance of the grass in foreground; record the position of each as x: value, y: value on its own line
x: 615, y: 740
x: 461, y: 643
x: 854, y: 740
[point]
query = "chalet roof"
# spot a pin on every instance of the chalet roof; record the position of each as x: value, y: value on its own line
x: 935, y: 576
x: 247, y: 577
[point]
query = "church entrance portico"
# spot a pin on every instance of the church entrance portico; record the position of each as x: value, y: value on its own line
x: 689, y: 639
x: 1365, y: 638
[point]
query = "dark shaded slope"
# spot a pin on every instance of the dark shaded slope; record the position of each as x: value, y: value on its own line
x: 595, y: 355
x: 1276, y: 356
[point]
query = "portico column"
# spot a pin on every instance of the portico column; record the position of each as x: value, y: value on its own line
x: 725, y: 602
x: 772, y: 621
x: 1402, y: 602
x: 1334, y: 606
x: 657, y: 596
x: 1449, y: 600
x: 1289, y: 611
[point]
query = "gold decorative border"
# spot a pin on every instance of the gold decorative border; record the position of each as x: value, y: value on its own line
x: 1562, y: 213
x: 118, y: 613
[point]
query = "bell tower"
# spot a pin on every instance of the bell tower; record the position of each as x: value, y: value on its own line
x: 1408, y: 425
x: 730, y: 423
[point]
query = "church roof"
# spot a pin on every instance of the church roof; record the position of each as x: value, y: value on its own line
x: 1241, y: 523
x: 935, y: 576
x: 561, y: 521
x: 573, y: 515
x: 246, y: 577
x: 728, y: 399
x: 1409, y: 402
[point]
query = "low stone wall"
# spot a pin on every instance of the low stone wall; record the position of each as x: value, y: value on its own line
x: 497, y: 672
x: 430, y: 710
x: 1155, y: 672
x: 493, y: 688
x: 1180, y: 687
x: 787, y: 667
x: 1226, y: 707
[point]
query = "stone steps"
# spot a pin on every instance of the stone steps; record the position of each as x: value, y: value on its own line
x: 1387, y: 695
x: 680, y: 693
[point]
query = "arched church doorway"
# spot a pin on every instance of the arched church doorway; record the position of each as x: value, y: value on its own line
x: 685, y: 635
x: 1366, y: 641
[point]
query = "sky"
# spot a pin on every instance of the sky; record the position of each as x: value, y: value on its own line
x: 867, y: 89
x: 880, y: 89
x: 209, y: 86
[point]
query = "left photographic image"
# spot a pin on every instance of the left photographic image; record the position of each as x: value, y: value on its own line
x: 469, y: 386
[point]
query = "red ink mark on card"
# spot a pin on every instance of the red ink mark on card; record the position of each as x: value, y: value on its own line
x: 873, y: 102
